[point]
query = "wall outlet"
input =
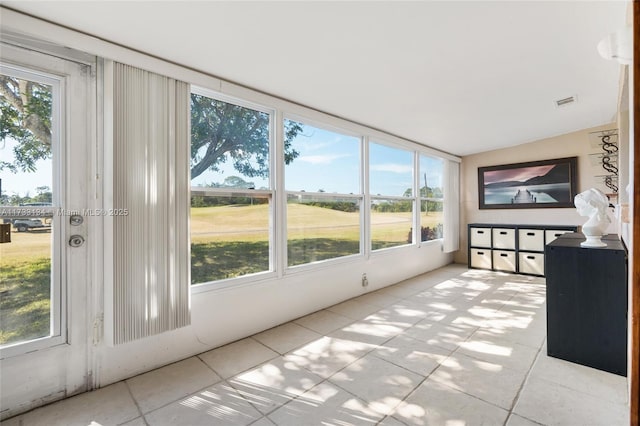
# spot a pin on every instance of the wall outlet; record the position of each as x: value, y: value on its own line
x: 365, y: 281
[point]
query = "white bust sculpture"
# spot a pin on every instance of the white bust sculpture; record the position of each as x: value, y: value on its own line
x: 593, y: 204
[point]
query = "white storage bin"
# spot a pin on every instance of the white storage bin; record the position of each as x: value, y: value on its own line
x: 481, y: 258
x: 504, y: 238
x: 504, y: 260
x: 552, y: 234
x: 480, y: 237
x: 531, y: 239
x: 531, y: 263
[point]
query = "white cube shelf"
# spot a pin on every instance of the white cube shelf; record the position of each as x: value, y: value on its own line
x: 531, y: 239
x: 480, y: 237
x: 481, y: 258
x: 504, y: 260
x: 531, y: 263
x: 552, y: 234
x: 512, y: 248
x: 504, y: 238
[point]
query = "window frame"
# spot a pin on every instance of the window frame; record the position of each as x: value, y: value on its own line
x: 58, y: 325
x: 420, y: 199
x: 360, y: 197
x: 278, y: 195
x: 328, y: 196
x: 415, y: 217
x: 269, y: 194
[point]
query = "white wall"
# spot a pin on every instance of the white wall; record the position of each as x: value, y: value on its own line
x: 574, y: 144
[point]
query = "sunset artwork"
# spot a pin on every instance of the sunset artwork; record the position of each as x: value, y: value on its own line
x: 549, y: 183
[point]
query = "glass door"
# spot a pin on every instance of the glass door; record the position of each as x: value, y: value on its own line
x: 46, y: 142
x: 30, y: 267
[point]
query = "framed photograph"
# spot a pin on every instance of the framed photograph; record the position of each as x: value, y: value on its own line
x: 531, y: 185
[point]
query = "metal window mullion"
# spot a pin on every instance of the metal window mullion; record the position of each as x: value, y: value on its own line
x: 326, y: 195
x: 417, y: 219
x: 391, y: 197
x: 60, y: 118
x: 229, y: 99
x: 365, y: 211
x: 199, y: 191
x: 279, y: 212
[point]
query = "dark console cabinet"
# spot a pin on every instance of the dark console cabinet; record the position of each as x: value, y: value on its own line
x: 587, y: 303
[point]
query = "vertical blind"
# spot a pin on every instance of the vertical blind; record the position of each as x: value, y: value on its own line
x: 150, y: 288
x: 451, y: 228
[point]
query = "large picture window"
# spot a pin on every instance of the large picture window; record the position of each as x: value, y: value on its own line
x: 235, y: 212
x: 231, y: 189
x: 392, y: 202
x: 323, y: 194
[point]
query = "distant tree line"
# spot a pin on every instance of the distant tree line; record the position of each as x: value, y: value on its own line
x: 406, y: 206
x: 395, y: 206
x: 343, y: 206
x: 229, y: 182
x: 43, y: 195
x: 200, y: 201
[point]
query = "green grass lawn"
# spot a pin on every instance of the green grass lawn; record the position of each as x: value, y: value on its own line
x: 226, y: 242
x: 25, y: 286
x: 231, y: 241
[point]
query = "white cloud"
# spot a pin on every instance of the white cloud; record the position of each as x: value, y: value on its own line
x: 320, y: 159
x: 312, y: 145
x: 392, y: 168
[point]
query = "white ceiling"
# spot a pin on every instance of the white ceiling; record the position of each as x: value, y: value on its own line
x: 463, y: 77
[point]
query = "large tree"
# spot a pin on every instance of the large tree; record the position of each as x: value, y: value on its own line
x: 220, y: 131
x: 25, y: 116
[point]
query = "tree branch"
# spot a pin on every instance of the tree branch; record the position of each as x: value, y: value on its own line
x: 13, y: 98
x: 33, y: 121
x: 20, y: 96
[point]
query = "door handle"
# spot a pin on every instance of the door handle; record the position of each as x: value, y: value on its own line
x: 76, y: 240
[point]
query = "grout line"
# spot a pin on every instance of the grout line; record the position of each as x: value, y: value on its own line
x: 463, y: 392
x: 135, y: 401
x: 331, y: 331
x: 228, y: 380
x: 253, y: 366
x: 327, y: 379
x: 473, y: 396
x: 524, y: 382
x: 264, y: 416
x: 210, y: 368
x: 415, y: 389
x: 390, y: 416
x: 251, y: 404
x: 295, y: 397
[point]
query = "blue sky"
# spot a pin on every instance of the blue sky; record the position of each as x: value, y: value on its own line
x: 329, y: 161
x: 390, y: 170
x: 23, y: 182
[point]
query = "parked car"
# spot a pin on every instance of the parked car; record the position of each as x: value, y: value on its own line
x: 24, y: 225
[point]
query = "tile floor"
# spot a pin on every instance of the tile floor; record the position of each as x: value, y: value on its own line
x: 451, y: 347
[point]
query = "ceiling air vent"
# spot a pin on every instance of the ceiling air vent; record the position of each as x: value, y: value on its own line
x: 565, y: 101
